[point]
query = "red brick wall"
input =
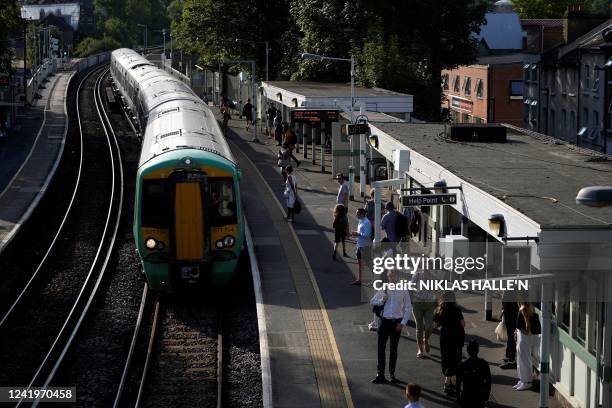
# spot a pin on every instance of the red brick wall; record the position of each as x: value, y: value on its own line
x: 477, y: 106
x: 505, y: 109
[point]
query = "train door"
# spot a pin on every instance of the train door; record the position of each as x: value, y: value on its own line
x: 190, y: 217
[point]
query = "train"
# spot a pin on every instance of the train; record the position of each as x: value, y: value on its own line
x: 188, y: 221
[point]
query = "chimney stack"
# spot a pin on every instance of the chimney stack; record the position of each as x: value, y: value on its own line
x: 577, y: 22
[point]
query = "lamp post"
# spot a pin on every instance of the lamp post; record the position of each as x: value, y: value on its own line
x: 266, y: 43
x: 308, y: 56
x: 144, y: 52
x: 163, y: 31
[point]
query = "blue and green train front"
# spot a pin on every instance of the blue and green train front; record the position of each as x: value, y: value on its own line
x: 187, y: 219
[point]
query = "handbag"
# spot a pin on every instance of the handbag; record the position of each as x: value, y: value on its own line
x: 377, y: 309
x: 501, y: 331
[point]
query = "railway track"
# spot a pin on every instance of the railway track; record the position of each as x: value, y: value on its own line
x: 48, y: 353
x: 181, y: 364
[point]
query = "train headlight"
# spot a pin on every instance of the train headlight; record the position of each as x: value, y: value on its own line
x: 151, y: 243
x: 229, y: 241
x: 219, y: 244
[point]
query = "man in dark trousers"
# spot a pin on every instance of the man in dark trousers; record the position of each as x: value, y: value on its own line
x: 473, y: 379
x: 510, y: 312
x: 247, y: 112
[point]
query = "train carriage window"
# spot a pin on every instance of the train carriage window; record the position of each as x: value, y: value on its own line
x: 155, y: 204
x: 221, y: 202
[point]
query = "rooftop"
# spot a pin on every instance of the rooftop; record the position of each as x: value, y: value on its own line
x: 323, y: 89
x: 542, y: 22
x: 529, y: 172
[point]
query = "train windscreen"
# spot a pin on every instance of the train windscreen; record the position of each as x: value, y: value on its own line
x: 221, y: 202
x: 154, y: 204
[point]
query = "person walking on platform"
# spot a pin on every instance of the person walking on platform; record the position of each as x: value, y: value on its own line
x: 528, y: 328
x: 291, y: 193
x: 424, y: 304
x: 343, y: 193
x: 452, y: 336
x: 473, y: 379
x: 290, y: 139
x: 396, y: 311
x: 413, y: 394
x: 364, y: 243
x: 284, y: 160
x: 225, y: 112
x: 509, y: 315
x: 388, y: 222
x: 340, y: 228
x: 247, y: 112
x: 271, y: 114
x: 371, y: 210
x: 278, y: 128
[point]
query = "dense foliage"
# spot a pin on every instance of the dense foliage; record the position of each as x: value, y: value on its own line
x: 556, y: 8
x: 9, y: 23
x: 400, y: 45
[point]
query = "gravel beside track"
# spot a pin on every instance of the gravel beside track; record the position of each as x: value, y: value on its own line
x: 96, y: 363
x: 26, y: 336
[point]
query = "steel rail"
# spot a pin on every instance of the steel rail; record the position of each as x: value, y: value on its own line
x: 115, y: 206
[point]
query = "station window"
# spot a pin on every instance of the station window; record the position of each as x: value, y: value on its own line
x: 221, y: 202
x: 479, y: 86
x: 587, y: 77
x: 466, y: 118
x: 516, y: 89
x: 478, y: 120
x: 456, y: 85
x: 585, y: 117
x: 445, y: 82
x: 581, y: 322
x: 467, y: 86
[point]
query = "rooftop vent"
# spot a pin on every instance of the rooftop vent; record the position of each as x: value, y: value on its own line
x: 481, y: 133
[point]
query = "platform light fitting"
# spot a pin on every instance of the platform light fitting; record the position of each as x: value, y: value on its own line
x: 373, y: 140
x: 595, y: 196
x: 497, y: 224
x: 440, y: 186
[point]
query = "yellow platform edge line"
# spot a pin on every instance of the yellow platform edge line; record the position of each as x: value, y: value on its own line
x: 328, y: 326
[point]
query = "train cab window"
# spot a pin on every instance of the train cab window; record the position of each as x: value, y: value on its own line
x: 221, y: 202
x: 154, y: 204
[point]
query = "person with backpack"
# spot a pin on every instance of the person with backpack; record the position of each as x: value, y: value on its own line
x: 290, y: 139
x: 247, y: 112
x: 528, y: 329
x: 473, y: 379
x: 394, y: 309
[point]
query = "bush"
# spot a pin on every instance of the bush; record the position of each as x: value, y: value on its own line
x: 90, y: 46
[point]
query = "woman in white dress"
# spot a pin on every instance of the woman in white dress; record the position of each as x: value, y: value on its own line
x: 290, y: 192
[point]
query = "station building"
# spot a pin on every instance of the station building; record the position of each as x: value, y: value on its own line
x: 528, y: 184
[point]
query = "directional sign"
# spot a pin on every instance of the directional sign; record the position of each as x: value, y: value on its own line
x: 357, y: 129
x: 429, y: 199
x: 314, y: 115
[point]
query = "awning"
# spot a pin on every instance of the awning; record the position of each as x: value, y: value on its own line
x: 533, y: 66
x: 527, y: 101
x: 534, y: 102
x: 526, y: 66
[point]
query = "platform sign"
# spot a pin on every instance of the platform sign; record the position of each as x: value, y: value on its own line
x: 516, y: 260
x: 314, y: 115
x: 357, y: 129
x: 429, y: 199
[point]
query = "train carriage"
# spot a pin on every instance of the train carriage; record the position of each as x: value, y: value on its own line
x: 187, y: 216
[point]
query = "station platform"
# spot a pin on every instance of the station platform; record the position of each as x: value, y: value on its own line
x: 30, y: 154
x: 321, y: 351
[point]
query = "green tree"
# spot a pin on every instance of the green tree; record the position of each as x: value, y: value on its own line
x: 547, y: 8
x: 9, y: 24
x: 208, y: 29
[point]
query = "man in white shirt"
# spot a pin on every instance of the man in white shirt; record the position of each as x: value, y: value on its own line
x: 364, y: 243
x: 343, y: 193
x: 394, y: 316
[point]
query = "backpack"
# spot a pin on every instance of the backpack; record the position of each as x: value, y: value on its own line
x: 401, y: 225
x: 415, y: 224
